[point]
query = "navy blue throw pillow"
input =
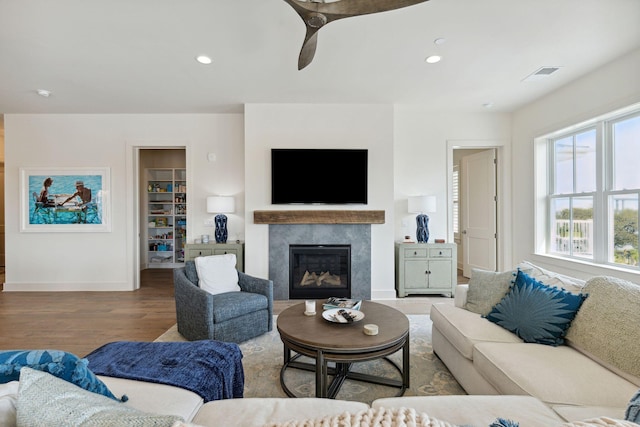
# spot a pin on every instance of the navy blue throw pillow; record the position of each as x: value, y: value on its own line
x: 535, y: 312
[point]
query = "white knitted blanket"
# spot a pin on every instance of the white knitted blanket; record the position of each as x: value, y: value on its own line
x: 379, y: 417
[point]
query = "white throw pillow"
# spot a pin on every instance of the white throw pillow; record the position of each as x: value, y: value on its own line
x: 217, y: 273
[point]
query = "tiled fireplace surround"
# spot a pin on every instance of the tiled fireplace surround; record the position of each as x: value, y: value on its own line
x: 356, y: 235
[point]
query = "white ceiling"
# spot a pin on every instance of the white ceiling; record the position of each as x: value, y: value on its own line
x: 137, y: 56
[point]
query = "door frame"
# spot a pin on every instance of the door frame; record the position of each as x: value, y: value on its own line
x: 503, y: 191
x: 133, y: 195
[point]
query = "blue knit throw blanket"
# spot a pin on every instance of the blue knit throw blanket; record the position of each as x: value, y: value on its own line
x: 212, y: 369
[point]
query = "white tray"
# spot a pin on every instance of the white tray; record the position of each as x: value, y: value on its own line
x: 332, y: 315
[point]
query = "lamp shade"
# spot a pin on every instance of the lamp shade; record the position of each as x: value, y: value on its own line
x: 421, y: 204
x: 220, y: 204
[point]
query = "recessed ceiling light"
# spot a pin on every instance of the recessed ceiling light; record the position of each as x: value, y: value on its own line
x: 44, y: 92
x: 439, y: 41
x: 488, y: 104
x: 204, y: 59
x: 433, y: 59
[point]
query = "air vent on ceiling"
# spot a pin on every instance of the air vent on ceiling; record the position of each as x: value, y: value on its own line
x: 540, y: 73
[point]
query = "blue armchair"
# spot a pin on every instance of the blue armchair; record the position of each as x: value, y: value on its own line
x: 230, y: 316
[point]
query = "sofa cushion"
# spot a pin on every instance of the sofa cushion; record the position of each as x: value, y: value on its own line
x: 600, y: 422
x: 230, y: 305
x: 535, y: 312
x: 465, y: 329
x: 486, y: 289
x: 598, y: 330
x: 555, y: 375
x: 259, y: 411
x: 217, y: 273
x: 551, y: 278
x: 47, y: 400
x: 8, y: 398
x: 156, y: 398
x: 66, y: 366
x: 478, y: 410
x: 573, y: 412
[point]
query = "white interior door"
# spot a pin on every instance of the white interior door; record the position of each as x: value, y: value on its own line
x: 479, y: 208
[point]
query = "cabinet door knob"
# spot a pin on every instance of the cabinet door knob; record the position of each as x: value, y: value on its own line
x: 415, y: 252
x: 440, y: 252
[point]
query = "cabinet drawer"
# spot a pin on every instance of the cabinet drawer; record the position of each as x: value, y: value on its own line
x: 440, y: 253
x: 198, y: 252
x: 415, y: 253
x: 225, y: 251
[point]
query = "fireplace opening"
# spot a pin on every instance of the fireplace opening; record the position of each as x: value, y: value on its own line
x: 319, y: 271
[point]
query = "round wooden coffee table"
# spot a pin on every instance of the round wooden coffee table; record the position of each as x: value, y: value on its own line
x: 344, y: 344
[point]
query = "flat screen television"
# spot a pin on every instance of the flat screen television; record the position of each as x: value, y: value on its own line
x: 322, y: 176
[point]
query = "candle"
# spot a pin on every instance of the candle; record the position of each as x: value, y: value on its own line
x: 371, y: 329
x: 310, y: 307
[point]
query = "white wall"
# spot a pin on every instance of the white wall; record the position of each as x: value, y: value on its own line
x: 423, y: 141
x: 325, y: 126
x: 104, y: 261
x: 611, y: 87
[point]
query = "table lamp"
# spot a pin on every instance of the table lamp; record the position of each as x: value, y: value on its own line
x: 221, y: 205
x: 420, y: 205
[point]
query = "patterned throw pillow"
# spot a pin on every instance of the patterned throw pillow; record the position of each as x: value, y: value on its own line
x: 44, y: 400
x: 66, y: 366
x: 535, y: 312
x: 633, y: 409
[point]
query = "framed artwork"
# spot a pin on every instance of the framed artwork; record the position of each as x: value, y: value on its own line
x: 65, y: 200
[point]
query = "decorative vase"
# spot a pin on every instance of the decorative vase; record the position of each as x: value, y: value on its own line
x: 221, y: 228
x: 422, y: 233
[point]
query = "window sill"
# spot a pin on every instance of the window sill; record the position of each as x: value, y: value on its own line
x: 583, y: 269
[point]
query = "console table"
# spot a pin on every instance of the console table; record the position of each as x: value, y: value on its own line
x: 193, y: 250
x: 426, y: 268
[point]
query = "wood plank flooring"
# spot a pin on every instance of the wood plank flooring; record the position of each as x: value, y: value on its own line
x: 79, y: 322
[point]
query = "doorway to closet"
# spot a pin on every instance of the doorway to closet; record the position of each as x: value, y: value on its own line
x: 162, y: 208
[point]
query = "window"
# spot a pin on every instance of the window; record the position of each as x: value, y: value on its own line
x: 571, y: 199
x: 593, y: 191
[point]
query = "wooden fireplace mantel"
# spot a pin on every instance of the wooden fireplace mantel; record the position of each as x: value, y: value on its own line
x: 319, y: 217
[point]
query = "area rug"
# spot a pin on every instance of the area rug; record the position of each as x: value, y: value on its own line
x: 262, y: 360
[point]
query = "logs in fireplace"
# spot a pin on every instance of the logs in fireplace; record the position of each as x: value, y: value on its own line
x: 319, y: 271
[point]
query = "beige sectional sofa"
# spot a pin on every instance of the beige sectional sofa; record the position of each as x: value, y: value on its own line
x: 592, y: 377
x: 595, y: 373
x: 258, y: 412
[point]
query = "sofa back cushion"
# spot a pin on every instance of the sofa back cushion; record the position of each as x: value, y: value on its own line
x: 607, y: 327
x: 551, y: 278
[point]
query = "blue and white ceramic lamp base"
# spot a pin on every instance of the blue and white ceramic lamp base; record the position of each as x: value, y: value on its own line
x: 422, y: 232
x: 221, y: 228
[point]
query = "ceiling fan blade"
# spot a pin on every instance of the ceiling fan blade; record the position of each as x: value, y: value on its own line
x: 346, y: 8
x: 316, y: 15
x: 308, y: 50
